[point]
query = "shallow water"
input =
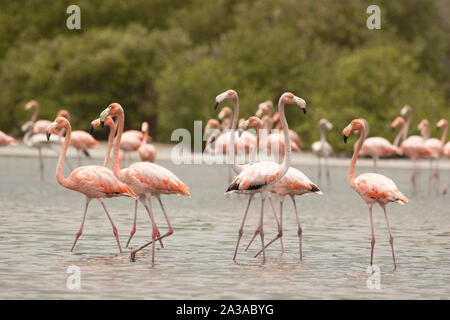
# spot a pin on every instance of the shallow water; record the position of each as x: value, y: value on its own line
x: 38, y: 222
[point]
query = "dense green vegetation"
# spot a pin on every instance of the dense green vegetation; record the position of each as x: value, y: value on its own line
x: 165, y: 61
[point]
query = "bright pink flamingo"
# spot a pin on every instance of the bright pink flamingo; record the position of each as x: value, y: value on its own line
x: 147, y: 152
x: 413, y: 146
x: 434, y: 144
x: 95, y: 182
x: 258, y: 177
x: 377, y: 147
x: 145, y: 179
x: 7, y: 140
x: 372, y: 187
x: 293, y: 183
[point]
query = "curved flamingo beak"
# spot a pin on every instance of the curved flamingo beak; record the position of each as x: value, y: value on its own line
x: 301, y: 103
x: 103, y: 116
x: 220, y: 98
x: 51, y: 127
x: 345, y: 138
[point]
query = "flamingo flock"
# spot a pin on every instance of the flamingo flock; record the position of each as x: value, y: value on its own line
x: 265, y: 142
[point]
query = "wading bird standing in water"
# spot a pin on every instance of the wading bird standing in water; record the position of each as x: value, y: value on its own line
x: 7, y: 140
x: 372, y: 187
x: 145, y: 179
x: 147, y: 152
x: 258, y: 177
x: 95, y: 182
x: 294, y: 183
x: 323, y: 149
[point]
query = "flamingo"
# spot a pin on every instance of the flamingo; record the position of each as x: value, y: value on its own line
x: 224, y: 116
x: 323, y: 149
x: 292, y: 134
x: 377, y: 147
x: 147, y: 152
x: 95, y: 182
x: 434, y: 144
x: 145, y: 179
x: 259, y: 176
x: 446, y: 153
x: 7, y: 140
x: 413, y: 146
x: 212, y: 131
x: 372, y: 187
x: 265, y: 108
x: 39, y: 126
x: 293, y: 183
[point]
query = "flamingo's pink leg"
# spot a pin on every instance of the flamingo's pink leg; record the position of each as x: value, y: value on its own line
x: 134, y: 223
x: 375, y: 165
x: 280, y: 228
x: 170, y: 232
x: 158, y: 235
x: 261, y: 231
x: 116, y: 234
x: 327, y: 172
x: 372, y: 243
x: 241, y: 229
x: 82, y: 224
x: 391, y: 238
x: 155, y: 229
x: 319, y: 169
x: 299, y: 230
x: 41, y: 164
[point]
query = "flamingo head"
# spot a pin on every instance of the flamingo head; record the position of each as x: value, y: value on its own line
x: 327, y: 124
x: 144, y: 126
x: 94, y: 124
x: 423, y: 125
x: 289, y: 98
x: 227, y: 95
x: 224, y: 113
x: 212, y: 124
x: 31, y: 104
x: 59, y: 123
x: 442, y: 123
x: 399, y: 121
x: 252, y: 122
x: 265, y: 107
x: 112, y: 110
x: 353, y: 126
x: 64, y: 113
x: 405, y: 110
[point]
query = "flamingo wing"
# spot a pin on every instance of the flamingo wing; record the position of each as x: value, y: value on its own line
x: 374, y: 187
x: 255, y: 176
x: 294, y: 182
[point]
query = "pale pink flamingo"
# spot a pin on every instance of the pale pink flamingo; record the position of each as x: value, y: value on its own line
x: 372, y: 187
x: 95, y: 182
x: 377, y: 147
x: 225, y: 116
x: 258, y: 177
x: 212, y: 131
x: 435, y: 145
x: 265, y: 108
x: 446, y: 153
x: 6, y: 140
x: 293, y: 183
x: 146, y: 179
x: 323, y: 149
x: 292, y: 134
x: 39, y: 126
x: 242, y: 144
x: 147, y: 152
x: 413, y: 146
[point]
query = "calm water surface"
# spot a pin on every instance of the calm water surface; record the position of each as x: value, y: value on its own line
x: 38, y: 222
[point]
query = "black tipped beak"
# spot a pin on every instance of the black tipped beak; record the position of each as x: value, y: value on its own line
x: 240, y: 131
x: 102, y: 123
x: 48, y: 136
x: 91, y: 129
x: 345, y: 138
x: 215, y: 105
x: 304, y: 110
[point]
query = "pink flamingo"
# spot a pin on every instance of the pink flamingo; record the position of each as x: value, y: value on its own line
x: 413, y: 146
x: 435, y: 145
x: 147, y: 152
x: 292, y: 134
x: 446, y: 153
x: 212, y: 131
x: 7, y: 140
x: 259, y: 176
x: 95, y: 182
x: 323, y: 149
x: 377, y: 147
x: 145, y: 179
x: 293, y: 183
x: 372, y: 187
x: 39, y: 126
x: 265, y: 108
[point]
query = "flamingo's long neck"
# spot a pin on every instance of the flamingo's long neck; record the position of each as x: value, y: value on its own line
x: 359, y: 144
x: 145, y: 137
x: 237, y: 168
x: 35, y: 113
x: 62, y: 156
x: 120, y: 125
x: 399, y: 135
x: 112, y: 132
x: 408, y: 122
x: 444, y: 134
x: 287, y: 141
x: 322, y: 134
